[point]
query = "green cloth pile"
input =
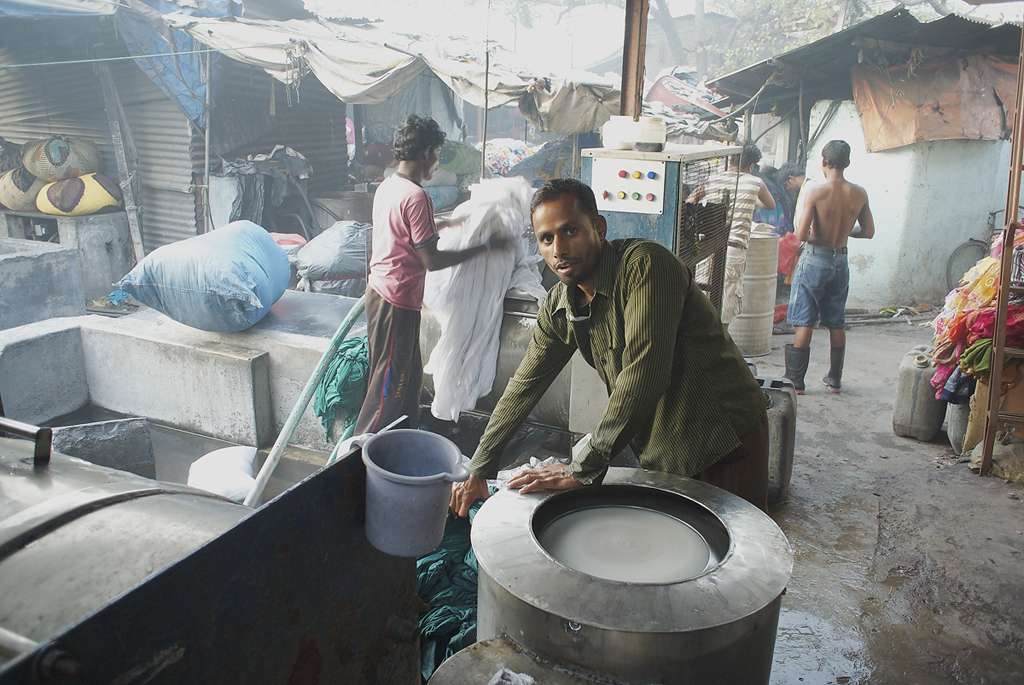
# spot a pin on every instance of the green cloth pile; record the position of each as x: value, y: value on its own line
x: 447, y: 582
x: 343, y: 384
x: 977, y: 359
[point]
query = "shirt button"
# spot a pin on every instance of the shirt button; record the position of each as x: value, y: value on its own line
x: 603, y: 360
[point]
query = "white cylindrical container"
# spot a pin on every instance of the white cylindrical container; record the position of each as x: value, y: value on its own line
x: 618, y: 133
x: 650, y: 134
x: 752, y: 328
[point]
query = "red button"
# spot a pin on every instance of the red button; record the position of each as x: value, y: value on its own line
x: 650, y: 196
x: 622, y: 174
x: 605, y: 195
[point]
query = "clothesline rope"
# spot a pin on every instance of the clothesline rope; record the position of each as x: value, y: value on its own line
x: 97, y: 60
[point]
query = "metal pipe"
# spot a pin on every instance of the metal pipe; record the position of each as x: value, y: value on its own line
x: 357, y: 130
x: 207, y: 215
x: 487, y: 90
x: 14, y: 644
x: 633, y: 52
x: 42, y: 438
x: 300, y: 407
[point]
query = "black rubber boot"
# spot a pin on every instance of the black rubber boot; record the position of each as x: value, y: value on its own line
x: 834, y: 379
x: 796, y: 365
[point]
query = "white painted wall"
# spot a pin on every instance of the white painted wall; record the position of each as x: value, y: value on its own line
x: 926, y: 199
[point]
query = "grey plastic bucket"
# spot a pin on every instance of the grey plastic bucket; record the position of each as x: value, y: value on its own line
x: 409, y: 476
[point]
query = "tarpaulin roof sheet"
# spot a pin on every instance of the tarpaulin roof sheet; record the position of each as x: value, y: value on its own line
x: 367, y: 65
x: 39, y: 9
x: 824, y: 65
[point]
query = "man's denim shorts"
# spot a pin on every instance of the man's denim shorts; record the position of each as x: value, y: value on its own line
x: 820, y: 287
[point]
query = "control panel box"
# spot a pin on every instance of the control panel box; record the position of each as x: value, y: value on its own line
x: 629, y: 185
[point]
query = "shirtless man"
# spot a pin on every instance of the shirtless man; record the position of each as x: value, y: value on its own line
x: 830, y: 213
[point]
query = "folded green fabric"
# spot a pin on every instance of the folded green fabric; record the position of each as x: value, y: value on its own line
x: 977, y: 359
x: 343, y: 384
x: 447, y: 580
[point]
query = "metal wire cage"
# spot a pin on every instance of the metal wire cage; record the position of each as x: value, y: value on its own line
x: 706, y: 190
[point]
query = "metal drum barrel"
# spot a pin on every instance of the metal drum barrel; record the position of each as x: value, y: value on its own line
x: 647, y: 578
x: 752, y: 329
x: 73, y: 536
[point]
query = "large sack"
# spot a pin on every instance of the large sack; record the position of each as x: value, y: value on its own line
x: 19, y: 188
x: 441, y: 177
x: 442, y: 196
x: 59, y: 157
x: 79, y: 195
x: 346, y: 287
x: 339, y: 252
x: 222, y: 281
x: 459, y: 158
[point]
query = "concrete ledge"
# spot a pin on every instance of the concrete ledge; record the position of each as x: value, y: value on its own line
x: 38, y: 281
x: 42, y: 370
x: 104, y: 246
x: 294, y: 334
x: 237, y: 387
x: 152, y: 368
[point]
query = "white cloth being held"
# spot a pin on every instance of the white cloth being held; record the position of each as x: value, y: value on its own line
x: 467, y: 299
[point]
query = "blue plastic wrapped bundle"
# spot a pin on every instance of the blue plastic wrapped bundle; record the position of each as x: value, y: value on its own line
x: 223, y: 281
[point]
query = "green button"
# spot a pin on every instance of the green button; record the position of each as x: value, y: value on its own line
x: 636, y: 196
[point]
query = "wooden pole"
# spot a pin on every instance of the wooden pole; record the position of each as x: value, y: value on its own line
x: 117, y: 139
x: 633, y: 53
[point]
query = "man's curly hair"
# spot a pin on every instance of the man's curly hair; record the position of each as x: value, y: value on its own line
x: 416, y: 134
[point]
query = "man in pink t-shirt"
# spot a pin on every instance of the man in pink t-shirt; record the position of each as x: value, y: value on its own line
x: 404, y: 249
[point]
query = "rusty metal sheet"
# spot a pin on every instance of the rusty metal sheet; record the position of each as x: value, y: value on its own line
x: 961, y: 98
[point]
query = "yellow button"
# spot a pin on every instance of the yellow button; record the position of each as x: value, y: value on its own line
x: 621, y: 195
x: 636, y: 174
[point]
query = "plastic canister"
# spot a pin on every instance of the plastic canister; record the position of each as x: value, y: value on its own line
x: 650, y: 134
x: 409, y: 476
x: 618, y: 133
x: 780, y: 402
x: 915, y: 411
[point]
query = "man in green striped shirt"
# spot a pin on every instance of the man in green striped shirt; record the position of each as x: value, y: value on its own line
x: 680, y: 392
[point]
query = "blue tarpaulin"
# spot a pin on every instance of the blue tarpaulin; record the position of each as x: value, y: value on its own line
x: 155, y: 47
x: 179, y: 76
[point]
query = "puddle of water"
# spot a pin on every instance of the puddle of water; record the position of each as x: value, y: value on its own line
x: 813, y: 651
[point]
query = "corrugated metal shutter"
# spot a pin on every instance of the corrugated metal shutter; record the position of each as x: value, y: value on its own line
x: 68, y: 99
x: 314, y: 126
x: 37, y: 102
x: 162, y: 137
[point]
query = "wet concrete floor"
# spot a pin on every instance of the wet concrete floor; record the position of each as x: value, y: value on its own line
x: 907, y: 565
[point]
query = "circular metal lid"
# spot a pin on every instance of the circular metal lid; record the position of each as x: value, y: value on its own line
x: 749, y: 563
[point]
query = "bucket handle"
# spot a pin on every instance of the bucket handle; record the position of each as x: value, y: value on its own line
x: 459, y: 474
